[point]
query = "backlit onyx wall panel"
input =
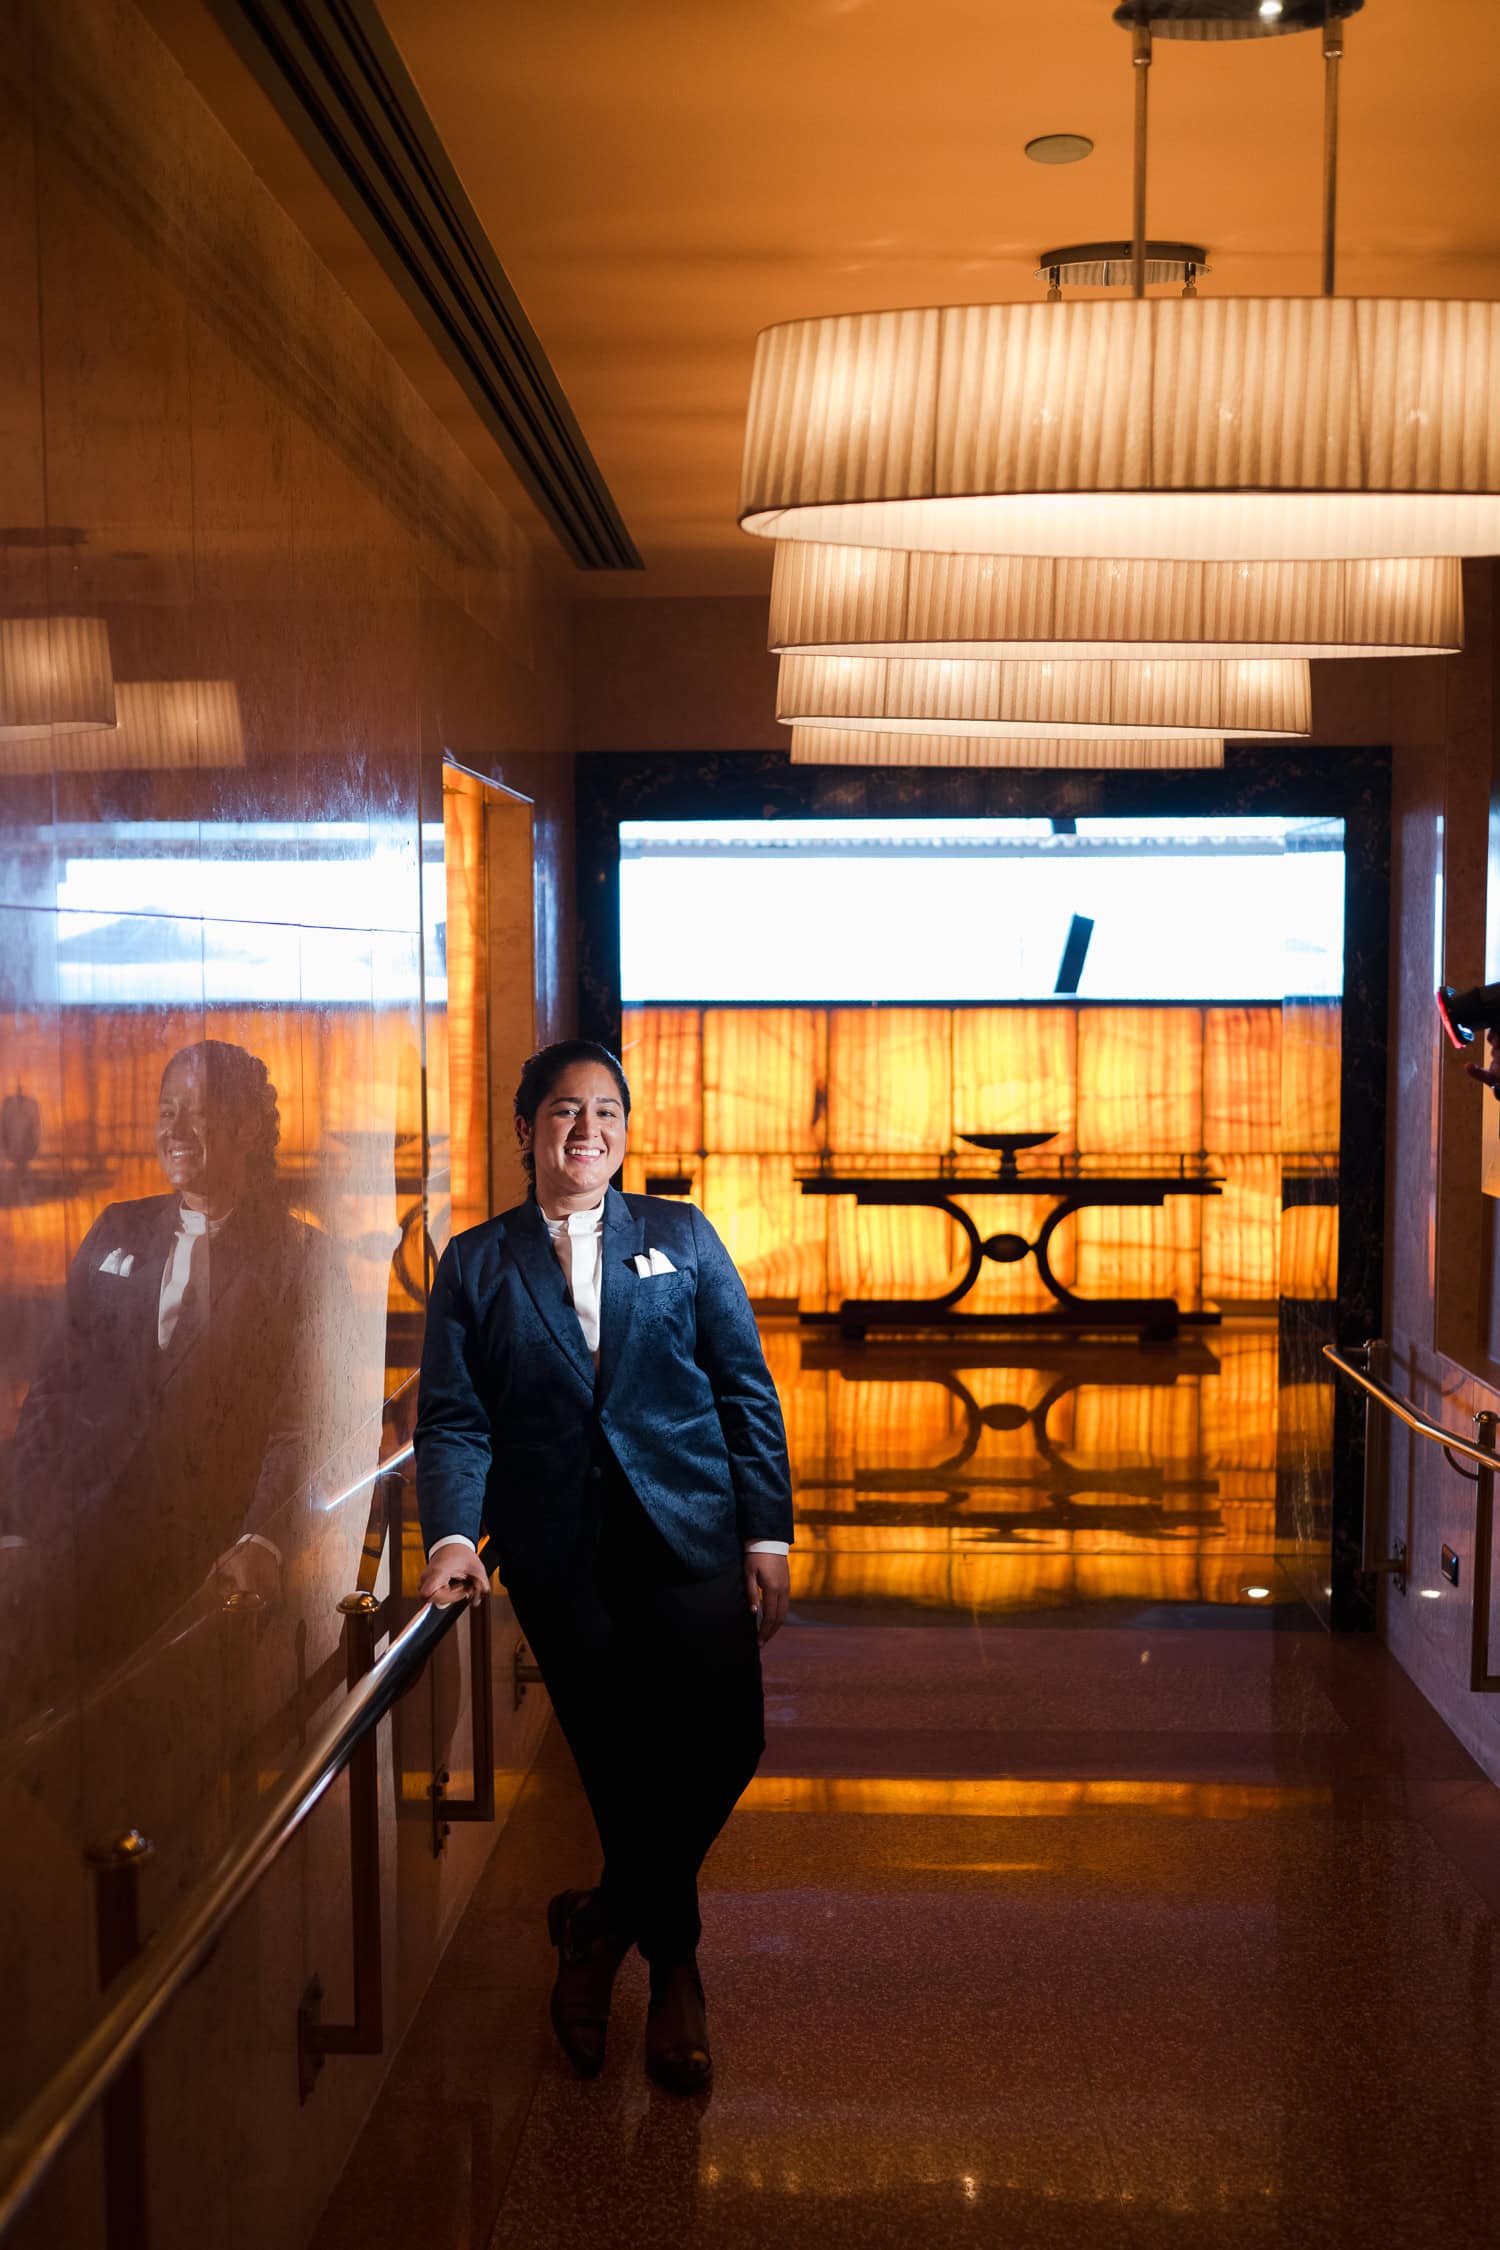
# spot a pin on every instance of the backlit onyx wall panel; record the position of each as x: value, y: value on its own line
x: 741, y: 1100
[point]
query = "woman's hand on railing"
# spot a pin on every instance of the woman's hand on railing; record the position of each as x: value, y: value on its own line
x: 455, y: 1575
x: 768, y: 1580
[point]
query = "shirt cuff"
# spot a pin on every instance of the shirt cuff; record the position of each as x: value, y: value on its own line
x: 451, y: 1539
x: 768, y: 1547
x: 247, y: 1539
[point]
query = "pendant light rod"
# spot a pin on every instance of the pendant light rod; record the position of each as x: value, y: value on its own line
x: 1333, y: 55
x: 1140, y: 56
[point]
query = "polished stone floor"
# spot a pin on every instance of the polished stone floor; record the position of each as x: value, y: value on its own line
x: 1099, y: 1898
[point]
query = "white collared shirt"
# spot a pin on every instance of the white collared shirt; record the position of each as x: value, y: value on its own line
x: 578, y: 1244
x: 186, y: 1266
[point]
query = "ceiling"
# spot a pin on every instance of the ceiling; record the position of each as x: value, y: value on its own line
x: 662, y: 178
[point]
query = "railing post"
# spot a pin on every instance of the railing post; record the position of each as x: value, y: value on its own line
x: 524, y: 1673
x: 365, y: 2035
x: 1482, y: 1681
x: 1374, y: 1357
x: 481, y: 1805
x: 117, y: 1922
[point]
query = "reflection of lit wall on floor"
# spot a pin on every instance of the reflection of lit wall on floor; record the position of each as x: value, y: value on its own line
x: 740, y: 1099
x: 910, y: 1491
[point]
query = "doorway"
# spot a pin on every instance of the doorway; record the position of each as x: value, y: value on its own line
x: 818, y: 1109
x: 488, y: 1019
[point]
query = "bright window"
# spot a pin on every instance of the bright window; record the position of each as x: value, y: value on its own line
x: 980, y: 910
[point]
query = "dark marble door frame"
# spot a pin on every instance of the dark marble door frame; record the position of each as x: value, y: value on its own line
x: 1352, y: 785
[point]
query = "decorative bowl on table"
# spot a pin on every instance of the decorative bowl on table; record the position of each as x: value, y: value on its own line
x: 1008, y: 1147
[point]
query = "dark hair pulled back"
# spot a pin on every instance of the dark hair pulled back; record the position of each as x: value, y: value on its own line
x: 542, y: 1071
x: 238, y: 1082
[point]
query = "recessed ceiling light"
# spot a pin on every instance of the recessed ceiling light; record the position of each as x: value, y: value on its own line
x: 1060, y: 148
x: 1256, y: 1593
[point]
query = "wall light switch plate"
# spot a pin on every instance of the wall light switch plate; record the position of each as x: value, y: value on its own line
x: 1450, y: 1566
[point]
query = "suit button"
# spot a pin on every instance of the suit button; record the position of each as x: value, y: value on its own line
x: 595, y: 1474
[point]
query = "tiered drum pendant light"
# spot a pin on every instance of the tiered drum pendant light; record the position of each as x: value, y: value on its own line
x: 835, y: 746
x: 871, y: 601
x: 1278, y: 428
x: 905, y: 696
x: 1287, y: 477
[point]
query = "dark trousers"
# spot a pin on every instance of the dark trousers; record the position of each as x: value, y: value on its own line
x: 655, y: 1679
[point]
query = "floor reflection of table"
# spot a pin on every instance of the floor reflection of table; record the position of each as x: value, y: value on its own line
x: 1071, y: 1191
x: 1004, y: 1505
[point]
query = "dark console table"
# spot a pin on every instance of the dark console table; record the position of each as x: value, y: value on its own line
x: 1070, y: 1189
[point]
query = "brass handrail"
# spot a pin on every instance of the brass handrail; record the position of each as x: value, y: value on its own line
x: 169, y: 1959
x: 1412, y: 1416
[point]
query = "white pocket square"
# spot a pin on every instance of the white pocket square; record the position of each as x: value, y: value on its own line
x: 118, y: 1261
x: 649, y: 1262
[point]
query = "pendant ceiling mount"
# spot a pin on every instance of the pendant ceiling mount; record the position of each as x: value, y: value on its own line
x: 1108, y: 265
x: 1231, y: 19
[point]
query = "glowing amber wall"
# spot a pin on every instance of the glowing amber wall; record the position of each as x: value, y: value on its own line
x: 466, y: 948
x: 739, y: 1100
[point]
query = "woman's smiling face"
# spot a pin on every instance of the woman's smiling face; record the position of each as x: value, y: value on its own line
x: 202, y: 1147
x: 578, y: 1140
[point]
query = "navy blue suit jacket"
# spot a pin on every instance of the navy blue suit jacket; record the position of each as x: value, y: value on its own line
x: 510, y: 1409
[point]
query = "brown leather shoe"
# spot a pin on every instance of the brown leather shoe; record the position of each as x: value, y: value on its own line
x: 587, y: 1960
x: 677, y: 2052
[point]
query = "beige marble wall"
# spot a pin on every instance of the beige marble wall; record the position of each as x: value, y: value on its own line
x: 1440, y: 1228
x: 202, y: 445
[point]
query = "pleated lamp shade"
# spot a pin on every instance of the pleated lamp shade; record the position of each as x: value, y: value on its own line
x: 877, y: 601
x: 162, y: 723
x: 55, y: 676
x: 900, y: 695
x: 180, y: 723
x: 1201, y: 429
x: 837, y: 746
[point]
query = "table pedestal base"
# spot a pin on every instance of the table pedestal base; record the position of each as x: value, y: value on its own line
x: 1158, y: 1318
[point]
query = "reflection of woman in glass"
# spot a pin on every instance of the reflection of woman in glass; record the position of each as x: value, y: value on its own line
x: 173, y: 1410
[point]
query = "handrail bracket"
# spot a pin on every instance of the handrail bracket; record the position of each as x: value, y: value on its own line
x: 1482, y: 1451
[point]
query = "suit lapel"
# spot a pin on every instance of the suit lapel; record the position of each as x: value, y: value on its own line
x: 624, y: 1239
x: 530, y: 1246
x: 144, y: 1283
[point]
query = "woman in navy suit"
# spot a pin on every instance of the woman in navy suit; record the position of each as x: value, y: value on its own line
x: 594, y: 1396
